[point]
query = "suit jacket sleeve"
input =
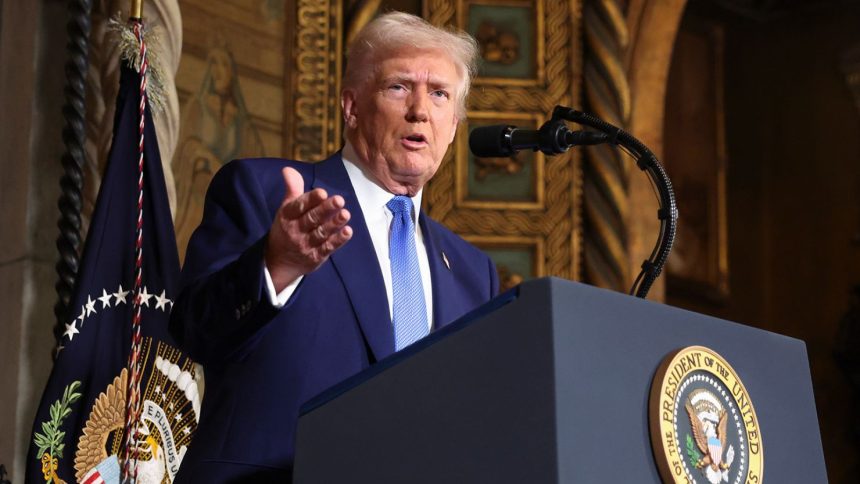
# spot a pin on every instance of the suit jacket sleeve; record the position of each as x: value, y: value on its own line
x: 494, y: 279
x: 222, y: 304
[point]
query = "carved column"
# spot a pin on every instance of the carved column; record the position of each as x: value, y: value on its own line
x: 74, y: 112
x: 314, y: 123
x: 607, y: 94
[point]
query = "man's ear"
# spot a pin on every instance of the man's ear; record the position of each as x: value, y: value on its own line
x: 348, y: 106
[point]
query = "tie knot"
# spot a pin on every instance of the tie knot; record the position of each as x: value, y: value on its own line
x: 400, y: 204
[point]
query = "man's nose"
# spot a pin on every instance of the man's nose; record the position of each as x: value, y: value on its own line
x: 418, y: 107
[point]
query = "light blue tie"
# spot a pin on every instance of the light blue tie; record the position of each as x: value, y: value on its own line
x: 410, y: 310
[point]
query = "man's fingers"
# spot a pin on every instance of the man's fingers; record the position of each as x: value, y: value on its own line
x: 323, y: 231
x: 336, y: 241
x: 296, y: 208
x: 321, y: 213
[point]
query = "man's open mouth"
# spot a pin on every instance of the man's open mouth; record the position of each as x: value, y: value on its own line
x: 418, y: 138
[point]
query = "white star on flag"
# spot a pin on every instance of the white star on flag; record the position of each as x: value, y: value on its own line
x: 105, y: 299
x: 144, y: 297
x: 71, y: 330
x: 120, y: 295
x: 91, y: 306
x: 161, y: 301
x: 83, y: 314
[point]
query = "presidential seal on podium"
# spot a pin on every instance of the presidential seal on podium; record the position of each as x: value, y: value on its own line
x: 702, y: 421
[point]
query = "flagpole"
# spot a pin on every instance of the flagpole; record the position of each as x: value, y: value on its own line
x: 136, y: 11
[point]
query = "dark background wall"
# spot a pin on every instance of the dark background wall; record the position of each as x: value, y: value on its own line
x: 792, y: 139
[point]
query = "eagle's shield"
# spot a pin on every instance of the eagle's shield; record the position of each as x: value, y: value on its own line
x: 715, y: 449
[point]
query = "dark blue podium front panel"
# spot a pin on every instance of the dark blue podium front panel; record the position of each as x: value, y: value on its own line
x: 547, y: 385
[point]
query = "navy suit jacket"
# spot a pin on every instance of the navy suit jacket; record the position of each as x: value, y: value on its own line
x: 262, y: 363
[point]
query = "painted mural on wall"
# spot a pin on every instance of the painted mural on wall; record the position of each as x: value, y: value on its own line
x: 230, y: 83
x: 215, y: 128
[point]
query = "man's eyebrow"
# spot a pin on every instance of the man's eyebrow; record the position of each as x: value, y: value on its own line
x: 398, y: 77
x: 408, y: 77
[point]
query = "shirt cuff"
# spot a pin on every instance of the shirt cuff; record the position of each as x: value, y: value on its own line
x: 280, y: 299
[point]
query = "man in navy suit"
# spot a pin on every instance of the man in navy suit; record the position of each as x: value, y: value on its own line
x: 301, y: 275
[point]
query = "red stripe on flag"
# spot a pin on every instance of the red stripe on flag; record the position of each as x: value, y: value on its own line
x: 95, y: 477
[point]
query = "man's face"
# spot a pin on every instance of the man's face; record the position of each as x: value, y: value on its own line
x: 402, y: 119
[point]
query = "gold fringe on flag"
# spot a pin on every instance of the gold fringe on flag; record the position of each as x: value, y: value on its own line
x: 129, y: 49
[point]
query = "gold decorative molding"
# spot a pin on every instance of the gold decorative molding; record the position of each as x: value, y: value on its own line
x: 314, y: 123
x: 509, y: 276
x: 521, y: 119
x: 606, y: 169
x: 553, y: 218
x: 540, y: 35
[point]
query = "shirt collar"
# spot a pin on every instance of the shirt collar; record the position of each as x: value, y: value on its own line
x: 368, y: 191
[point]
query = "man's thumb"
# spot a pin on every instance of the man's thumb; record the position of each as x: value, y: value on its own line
x: 294, y: 183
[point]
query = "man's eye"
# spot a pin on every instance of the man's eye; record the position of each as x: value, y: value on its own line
x: 397, y: 87
x: 440, y: 93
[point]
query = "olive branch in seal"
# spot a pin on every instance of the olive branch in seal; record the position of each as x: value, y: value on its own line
x: 51, y: 440
x: 692, y: 452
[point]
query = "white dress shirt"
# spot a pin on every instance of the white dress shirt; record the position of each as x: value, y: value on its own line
x: 372, y: 199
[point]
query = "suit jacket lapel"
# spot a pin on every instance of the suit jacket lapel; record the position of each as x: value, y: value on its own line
x: 356, y: 263
x: 441, y: 275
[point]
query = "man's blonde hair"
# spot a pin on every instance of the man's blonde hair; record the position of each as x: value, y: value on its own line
x: 396, y: 30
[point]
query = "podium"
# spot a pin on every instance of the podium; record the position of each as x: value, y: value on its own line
x: 548, y: 383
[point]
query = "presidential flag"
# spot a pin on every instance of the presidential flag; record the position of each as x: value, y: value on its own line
x: 109, y: 402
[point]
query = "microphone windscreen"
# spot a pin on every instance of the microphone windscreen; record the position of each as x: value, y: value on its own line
x: 490, y: 141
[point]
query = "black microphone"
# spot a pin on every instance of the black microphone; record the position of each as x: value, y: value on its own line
x: 552, y: 138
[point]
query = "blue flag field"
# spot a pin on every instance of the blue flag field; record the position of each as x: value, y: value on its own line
x: 79, y: 431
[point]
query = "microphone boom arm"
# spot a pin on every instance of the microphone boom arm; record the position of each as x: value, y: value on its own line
x: 647, y: 162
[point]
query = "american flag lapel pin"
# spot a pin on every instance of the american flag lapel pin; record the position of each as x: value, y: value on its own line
x: 445, y: 260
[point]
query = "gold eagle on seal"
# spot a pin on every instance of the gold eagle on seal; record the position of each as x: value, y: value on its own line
x: 709, y: 422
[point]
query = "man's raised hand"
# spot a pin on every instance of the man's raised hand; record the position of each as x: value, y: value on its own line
x: 307, y: 229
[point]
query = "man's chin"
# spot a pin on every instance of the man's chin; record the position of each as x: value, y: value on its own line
x: 408, y: 182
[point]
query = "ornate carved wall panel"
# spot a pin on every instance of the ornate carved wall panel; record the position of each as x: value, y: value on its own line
x: 524, y: 211
x: 313, y: 118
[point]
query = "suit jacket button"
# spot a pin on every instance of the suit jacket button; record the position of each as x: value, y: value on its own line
x: 238, y: 314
